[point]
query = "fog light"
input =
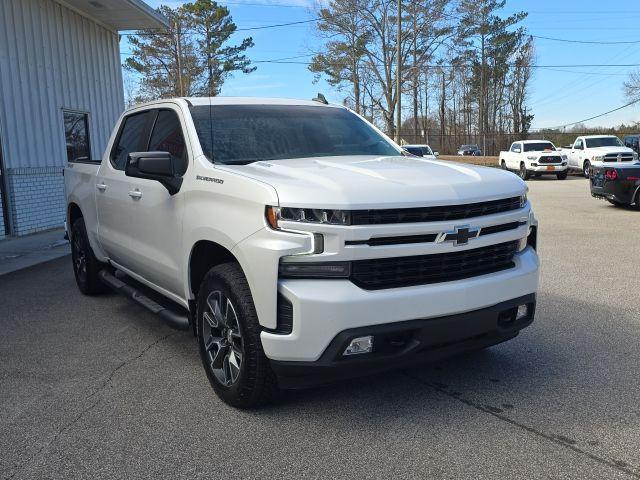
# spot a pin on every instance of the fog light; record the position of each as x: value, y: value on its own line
x: 359, y: 345
x: 523, y: 311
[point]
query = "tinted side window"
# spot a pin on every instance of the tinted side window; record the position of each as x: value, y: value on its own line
x: 167, y: 137
x: 414, y: 151
x: 130, y: 139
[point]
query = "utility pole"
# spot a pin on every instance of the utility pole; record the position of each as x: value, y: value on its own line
x: 179, y: 48
x: 399, y: 73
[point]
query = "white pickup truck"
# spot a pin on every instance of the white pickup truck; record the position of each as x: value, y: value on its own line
x: 597, y: 151
x: 534, y: 157
x: 298, y: 243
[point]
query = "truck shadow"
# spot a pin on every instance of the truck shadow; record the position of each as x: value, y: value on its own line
x: 560, y: 366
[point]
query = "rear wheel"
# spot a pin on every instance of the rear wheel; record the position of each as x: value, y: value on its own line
x: 562, y: 175
x: 523, y: 173
x: 85, y: 265
x: 229, y: 340
x: 586, y: 169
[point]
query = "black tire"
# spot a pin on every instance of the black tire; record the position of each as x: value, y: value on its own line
x: 586, y: 169
x: 523, y: 173
x: 562, y: 175
x: 255, y: 383
x: 637, y: 201
x: 503, y: 165
x: 85, y: 264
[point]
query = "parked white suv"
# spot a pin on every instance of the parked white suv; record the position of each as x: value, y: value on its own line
x: 597, y: 151
x: 298, y: 242
x: 534, y: 157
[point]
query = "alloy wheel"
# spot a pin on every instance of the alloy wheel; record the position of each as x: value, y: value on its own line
x: 223, y: 341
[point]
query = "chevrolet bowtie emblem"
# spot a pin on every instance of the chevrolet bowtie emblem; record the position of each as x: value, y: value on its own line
x: 459, y: 236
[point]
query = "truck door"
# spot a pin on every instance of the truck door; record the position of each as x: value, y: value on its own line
x: 156, y: 230
x: 575, y: 157
x: 513, y: 157
x: 114, y: 190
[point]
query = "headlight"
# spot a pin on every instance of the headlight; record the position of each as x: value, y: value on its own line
x: 597, y: 158
x: 523, y: 200
x: 306, y: 215
x: 532, y: 158
x: 635, y: 156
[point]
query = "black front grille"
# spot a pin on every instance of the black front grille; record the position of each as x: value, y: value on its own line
x: 549, y: 159
x: 433, y: 214
x: 376, y: 274
x: 613, y: 157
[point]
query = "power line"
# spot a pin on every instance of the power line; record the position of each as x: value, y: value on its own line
x: 587, y: 119
x: 589, y: 42
x: 582, y: 72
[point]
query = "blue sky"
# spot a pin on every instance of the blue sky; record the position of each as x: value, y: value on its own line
x: 557, y: 96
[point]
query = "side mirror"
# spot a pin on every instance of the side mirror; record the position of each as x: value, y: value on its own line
x: 158, y: 166
x: 517, y: 150
x: 436, y: 154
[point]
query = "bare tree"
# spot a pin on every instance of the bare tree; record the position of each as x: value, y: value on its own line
x: 632, y: 86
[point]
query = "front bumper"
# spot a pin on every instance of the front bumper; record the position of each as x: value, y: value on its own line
x: 324, y: 308
x: 551, y: 169
x: 406, y: 343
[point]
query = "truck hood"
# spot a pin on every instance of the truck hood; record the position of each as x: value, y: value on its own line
x: 361, y: 182
x: 605, y: 150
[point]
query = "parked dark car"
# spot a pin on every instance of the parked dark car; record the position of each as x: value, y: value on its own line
x: 473, y: 150
x: 619, y: 184
x: 632, y: 141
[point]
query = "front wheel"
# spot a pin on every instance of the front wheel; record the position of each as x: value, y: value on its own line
x: 562, y: 175
x: 523, y: 173
x: 503, y: 165
x: 85, y: 265
x: 229, y: 340
x: 586, y: 169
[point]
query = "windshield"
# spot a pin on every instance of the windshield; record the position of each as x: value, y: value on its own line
x: 469, y: 147
x: 242, y: 134
x: 539, y: 147
x: 604, y: 142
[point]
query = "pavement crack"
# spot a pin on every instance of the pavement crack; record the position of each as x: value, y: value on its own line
x: 67, y: 426
x: 618, y: 465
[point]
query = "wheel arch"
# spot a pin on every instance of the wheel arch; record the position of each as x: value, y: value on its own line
x: 74, y: 212
x: 206, y: 254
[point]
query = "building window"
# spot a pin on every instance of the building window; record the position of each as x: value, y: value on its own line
x: 76, y: 132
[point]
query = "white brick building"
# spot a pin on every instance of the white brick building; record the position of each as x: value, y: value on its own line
x: 61, y: 92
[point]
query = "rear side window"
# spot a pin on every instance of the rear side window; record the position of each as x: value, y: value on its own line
x: 130, y: 139
x: 167, y: 137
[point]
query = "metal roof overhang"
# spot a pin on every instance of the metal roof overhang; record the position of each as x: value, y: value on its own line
x: 119, y: 14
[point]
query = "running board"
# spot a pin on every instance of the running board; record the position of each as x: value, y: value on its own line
x: 173, y: 319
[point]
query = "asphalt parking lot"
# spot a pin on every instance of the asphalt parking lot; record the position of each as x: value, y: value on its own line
x: 99, y: 388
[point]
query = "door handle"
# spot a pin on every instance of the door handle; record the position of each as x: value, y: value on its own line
x: 135, y: 194
x: 101, y: 186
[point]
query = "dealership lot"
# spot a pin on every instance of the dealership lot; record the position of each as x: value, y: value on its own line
x: 99, y: 388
